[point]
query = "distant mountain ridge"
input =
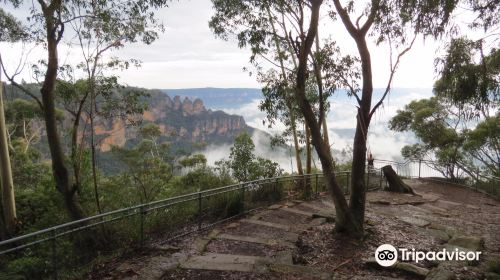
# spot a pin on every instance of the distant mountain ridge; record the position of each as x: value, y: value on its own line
x: 218, y: 98
x: 231, y: 98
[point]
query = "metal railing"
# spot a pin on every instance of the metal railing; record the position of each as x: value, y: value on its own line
x: 60, y: 248
x: 435, y: 171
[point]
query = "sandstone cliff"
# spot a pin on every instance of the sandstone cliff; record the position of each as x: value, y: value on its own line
x: 182, y: 122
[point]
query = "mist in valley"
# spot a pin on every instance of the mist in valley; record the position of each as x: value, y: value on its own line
x: 382, y: 142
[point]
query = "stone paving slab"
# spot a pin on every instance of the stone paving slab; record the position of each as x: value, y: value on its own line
x: 328, y: 203
x: 267, y: 224
x: 157, y: 266
x: 316, y: 206
x: 259, y: 215
x: 284, y: 257
x: 414, y: 221
x: 300, y: 270
x: 439, y: 234
x: 317, y: 222
x: 259, y: 240
x: 447, y: 204
x: 224, y: 262
x: 274, y: 206
x: 434, y: 209
x: 296, y: 211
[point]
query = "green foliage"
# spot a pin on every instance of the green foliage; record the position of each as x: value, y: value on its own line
x: 224, y: 205
x: 11, y: 29
x: 466, y: 92
x: 483, y: 144
x: 197, y: 160
x: 470, y: 85
x: 241, y: 157
x: 243, y: 165
x: 199, y: 179
x: 25, y: 268
x: 147, y: 168
x: 437, y: 126
x: 434, y: 125
x: 266, y: 193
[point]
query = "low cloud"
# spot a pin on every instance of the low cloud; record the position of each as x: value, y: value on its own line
x: 263, y: 149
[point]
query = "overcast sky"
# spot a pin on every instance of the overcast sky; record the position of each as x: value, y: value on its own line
x: 188, y: 55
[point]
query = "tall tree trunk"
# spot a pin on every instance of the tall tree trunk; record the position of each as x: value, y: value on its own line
x: 75, y: 152
x: 344, y: 219
x: 326, y: 138
x: 298, y: 159
x: 59, y: 169
x: 93, y: 151
x: 307, y: 185
x: 8, y: 199
x: 288, y: 100
x: 358, y: 187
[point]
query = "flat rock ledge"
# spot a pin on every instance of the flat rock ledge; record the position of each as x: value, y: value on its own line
x: 407, y: 267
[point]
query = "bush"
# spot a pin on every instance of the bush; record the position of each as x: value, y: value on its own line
x: 25, y: 268
x: 266, y: 192
x: 224, y: 205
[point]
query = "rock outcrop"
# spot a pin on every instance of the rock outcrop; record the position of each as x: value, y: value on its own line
x: 179, y: 120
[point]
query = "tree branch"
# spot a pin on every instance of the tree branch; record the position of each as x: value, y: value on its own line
x: 393, y: 71
x: 371, y: 17
x: 20, y: 87
x: 344, y: 16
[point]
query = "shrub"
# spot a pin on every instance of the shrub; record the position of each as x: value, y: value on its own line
x: 25, y: 268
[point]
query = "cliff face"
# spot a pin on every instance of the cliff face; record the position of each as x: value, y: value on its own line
x: 183, y: 122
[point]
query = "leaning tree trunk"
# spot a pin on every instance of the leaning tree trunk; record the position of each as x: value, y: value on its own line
x: 59, y: 168
x: 344, y: 221
x: 395, y: 182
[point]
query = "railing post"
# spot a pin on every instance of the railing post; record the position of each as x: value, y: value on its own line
x: 367, y: 179
x: 348, y: 175
x: 477, y: 180
x: 317, y: 184
x: 381, y: 174
x: 243, y: 199
x: 419, y: 166
x: 141, y: 209
x: 276, y: 185
x: 54, y: 254
x: 199, y: 210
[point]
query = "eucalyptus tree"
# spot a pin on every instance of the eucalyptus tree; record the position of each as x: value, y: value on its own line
x: 469, y: 81
x: 96, y: 37
x: 9, y: 217
x: 459, y: 127
x: 244, y: 19
x: 267, y: 34
x: 396, y: 23
x: 389, y: 21
x: 47, y: 26
x: 10, y: 30
x: 469, y: 77
x: 147, y: 164
x: 435, y: 124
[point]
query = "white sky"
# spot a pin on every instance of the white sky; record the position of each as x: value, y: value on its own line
x: 188, y: 55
